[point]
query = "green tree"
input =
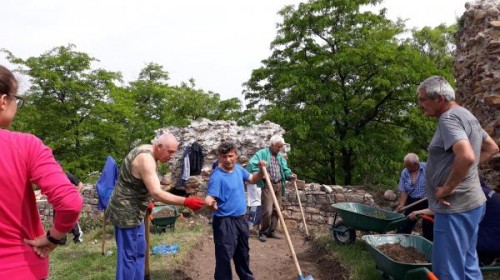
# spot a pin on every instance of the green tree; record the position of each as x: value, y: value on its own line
x: 64, y: 92
x: 342, y: 84
x: 150, y: 103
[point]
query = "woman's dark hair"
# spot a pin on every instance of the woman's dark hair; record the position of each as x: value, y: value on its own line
x: 8, y: 83
x: 226, y: 147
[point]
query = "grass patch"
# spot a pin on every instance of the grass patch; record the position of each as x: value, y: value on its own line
x: 85, y: 261
x: 355, y: 257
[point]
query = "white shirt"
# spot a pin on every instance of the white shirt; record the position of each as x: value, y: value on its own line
x: 253, y: 195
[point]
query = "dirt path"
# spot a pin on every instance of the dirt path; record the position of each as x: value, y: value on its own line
x: 268, y: 260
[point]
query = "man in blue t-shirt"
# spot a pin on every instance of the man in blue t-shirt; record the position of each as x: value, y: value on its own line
x: 226, y: 196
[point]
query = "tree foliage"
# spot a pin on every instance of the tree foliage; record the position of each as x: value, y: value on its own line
x: 342, y: 85
x: 63, y: 98
x: 83, y: 114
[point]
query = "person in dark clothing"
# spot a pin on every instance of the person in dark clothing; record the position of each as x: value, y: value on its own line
x: 488, y: 237
x: 76, y: 230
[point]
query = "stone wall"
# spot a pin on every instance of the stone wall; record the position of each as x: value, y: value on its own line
x: 477, y: 72
x: 316, y: 201
x: 90, y: 202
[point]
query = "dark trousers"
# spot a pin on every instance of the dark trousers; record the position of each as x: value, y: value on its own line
x: 231, y: 242
x: 270, y: 216
x: 407, y: 226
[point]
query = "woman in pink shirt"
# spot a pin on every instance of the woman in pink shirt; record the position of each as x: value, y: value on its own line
x: 25, y: 161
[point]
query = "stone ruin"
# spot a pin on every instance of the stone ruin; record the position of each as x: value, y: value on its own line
x: 209, y: 134
x: 477, y: 72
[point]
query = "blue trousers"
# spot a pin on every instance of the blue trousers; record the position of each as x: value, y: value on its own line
x: 231, y: 242
x: 454, y: 250
x: 131, y: 253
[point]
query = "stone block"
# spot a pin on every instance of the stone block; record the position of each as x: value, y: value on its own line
x: 390, y: 195
x: 327, y: 189
x: 355, y: 198
x: 337, y: 188
x: 340, y: 197
x: 291, y: 223
x: 492, y: 100
x: 318, y: 219
x: 296, y: 215
x: 321, y: 199
x: 495, y: 24
x: 312, y: 210
x: 300, y: 184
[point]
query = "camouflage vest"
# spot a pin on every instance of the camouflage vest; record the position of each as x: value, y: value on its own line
x: 130, y: 198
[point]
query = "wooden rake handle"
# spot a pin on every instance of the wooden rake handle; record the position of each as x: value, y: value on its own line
x: 282, y: 220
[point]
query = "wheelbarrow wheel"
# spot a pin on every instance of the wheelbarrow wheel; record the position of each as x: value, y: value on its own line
x: 343, y: 234
x: 384, y: 275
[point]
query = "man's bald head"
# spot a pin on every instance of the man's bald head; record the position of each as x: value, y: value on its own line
x: 164, y: 147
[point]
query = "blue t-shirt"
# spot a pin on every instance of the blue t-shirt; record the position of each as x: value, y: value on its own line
x: 229, y: 191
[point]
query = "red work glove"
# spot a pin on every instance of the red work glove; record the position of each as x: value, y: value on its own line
x: 194, y: 203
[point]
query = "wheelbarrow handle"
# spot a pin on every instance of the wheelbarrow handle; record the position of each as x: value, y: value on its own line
x: 393, y: 224
x: 426, y: 217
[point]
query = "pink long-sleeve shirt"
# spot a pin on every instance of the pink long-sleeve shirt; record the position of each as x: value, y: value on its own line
x: 24, y: 161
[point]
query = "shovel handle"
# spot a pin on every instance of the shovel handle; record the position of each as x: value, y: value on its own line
x: 282, y: 220
x: 104, y: 223
x: 300, y: 206
x: 147, y: 228
x: 413, y: 204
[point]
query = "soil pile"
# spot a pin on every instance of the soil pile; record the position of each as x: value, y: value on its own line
x: 402, y: 254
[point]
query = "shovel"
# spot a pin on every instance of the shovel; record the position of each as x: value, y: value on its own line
x: 104, y: 223
x: 282, y: 220
x: 147, y: 225
x: 301, y: 210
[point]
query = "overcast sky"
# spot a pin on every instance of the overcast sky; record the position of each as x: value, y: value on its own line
x: 216, y: 42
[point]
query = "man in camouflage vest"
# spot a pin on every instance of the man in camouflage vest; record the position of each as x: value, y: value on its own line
x: 137, y: 184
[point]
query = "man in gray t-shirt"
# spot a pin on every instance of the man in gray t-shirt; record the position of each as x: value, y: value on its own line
x: 467, y: 194
x: 452, y: 182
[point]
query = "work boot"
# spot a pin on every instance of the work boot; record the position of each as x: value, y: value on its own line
x: 273, y: 235
x: 262, y: 237
x: 78, y: 238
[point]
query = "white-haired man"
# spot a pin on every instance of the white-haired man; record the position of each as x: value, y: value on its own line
x: 452, y: 182
x: 412, y: 188
x: 137, y: 183
x: 279, y: 172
